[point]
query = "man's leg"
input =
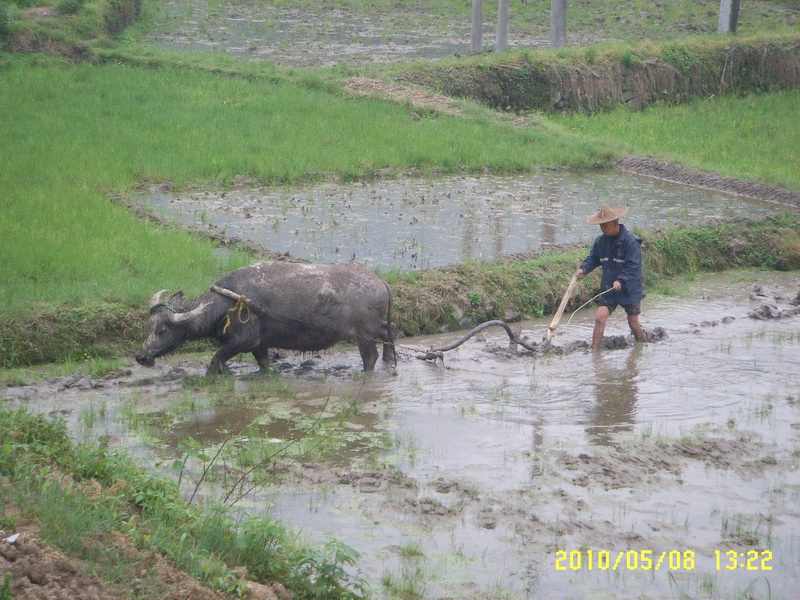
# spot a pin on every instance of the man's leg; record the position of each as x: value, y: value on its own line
x: 636, y: 328
x: 599, y: 326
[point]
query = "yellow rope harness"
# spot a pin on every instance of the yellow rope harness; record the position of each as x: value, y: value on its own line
x: 239, y: 306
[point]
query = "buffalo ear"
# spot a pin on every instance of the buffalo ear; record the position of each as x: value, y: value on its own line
x: 176, y: 299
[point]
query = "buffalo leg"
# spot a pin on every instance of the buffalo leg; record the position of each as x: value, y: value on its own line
x: 369, y: 353
x: 223, y: 355
x: 262, y: 358
x: 388, y: 341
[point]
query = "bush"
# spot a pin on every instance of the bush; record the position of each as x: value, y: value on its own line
x: 120, y: 14
x: 68, y: 7
x: 7, y: 18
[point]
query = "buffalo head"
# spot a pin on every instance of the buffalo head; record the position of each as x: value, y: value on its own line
x: 168, y: 326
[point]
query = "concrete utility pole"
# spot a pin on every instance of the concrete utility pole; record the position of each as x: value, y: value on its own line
x: 728, y: 16
x: 558, y: 23
x: 477, y: 26
x: 502, y: 25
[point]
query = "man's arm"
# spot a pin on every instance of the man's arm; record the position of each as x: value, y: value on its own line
x: 589, y: 264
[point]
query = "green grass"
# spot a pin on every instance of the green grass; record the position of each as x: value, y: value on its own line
x: 755, y: 138
x: 70, y: 135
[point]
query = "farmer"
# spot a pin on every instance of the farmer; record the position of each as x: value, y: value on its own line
x: 620, y: 254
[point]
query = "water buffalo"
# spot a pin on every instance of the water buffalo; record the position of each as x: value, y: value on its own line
x: 292, y: 306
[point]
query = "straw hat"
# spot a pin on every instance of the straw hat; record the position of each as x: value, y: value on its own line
x: 606, y: 214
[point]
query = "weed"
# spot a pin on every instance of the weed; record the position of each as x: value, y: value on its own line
x: 682, y: 57
x: 90, y: 414
x: 628, y: 59
x: 413, y: 550
x: 5, y: 589
x: 751, y: 530
x: 474, y: 299
x: 409, y: 584
x: 11, y: 357
x: 68, y: 7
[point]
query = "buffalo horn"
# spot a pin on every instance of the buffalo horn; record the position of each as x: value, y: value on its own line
x: 156, y: 299
x: 185, y: 317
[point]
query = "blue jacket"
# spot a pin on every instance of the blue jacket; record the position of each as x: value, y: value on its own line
x: 621, y: 259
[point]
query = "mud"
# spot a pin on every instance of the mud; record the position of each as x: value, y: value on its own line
x: 42, y: 574
x: 499, y: 459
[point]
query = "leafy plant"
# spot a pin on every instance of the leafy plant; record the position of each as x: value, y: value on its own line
x: 474, y: 298
x: 628, y: 59
x: 68, y: 7
x: 7, y: 18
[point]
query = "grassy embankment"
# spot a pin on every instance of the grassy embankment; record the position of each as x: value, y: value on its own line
x: 135, y: 530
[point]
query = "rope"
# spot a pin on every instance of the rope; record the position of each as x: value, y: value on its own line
x: 241, y: 304
x: 611, y: 289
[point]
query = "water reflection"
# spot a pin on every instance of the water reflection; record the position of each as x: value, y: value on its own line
x: 420, y: 223
x: 616, y: 394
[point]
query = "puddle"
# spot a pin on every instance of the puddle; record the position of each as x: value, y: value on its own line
x: 419, y: 223
x: 468, y: 479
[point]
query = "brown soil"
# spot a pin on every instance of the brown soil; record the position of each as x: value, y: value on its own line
x: 40, y: 573
x: 403, y: 93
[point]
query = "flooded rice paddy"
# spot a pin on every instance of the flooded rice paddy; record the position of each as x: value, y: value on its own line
x: 419, y: 223
x: 307, y: 36
x: 674, y: 467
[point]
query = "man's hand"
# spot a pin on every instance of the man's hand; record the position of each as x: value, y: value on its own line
x: 579, y: 274
x: 617, y: 285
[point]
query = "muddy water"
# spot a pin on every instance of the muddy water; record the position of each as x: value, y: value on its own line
x: 419, y: 223
x: 681, y: 450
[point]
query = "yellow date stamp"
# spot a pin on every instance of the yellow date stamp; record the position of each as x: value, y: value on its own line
x: 651, y: 560
x: 752, y: 560
x: 629, y: 560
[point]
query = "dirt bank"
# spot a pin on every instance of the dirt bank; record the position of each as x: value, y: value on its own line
x: 636, y: 77
x: 649, y: 167
x: 40, y: 573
